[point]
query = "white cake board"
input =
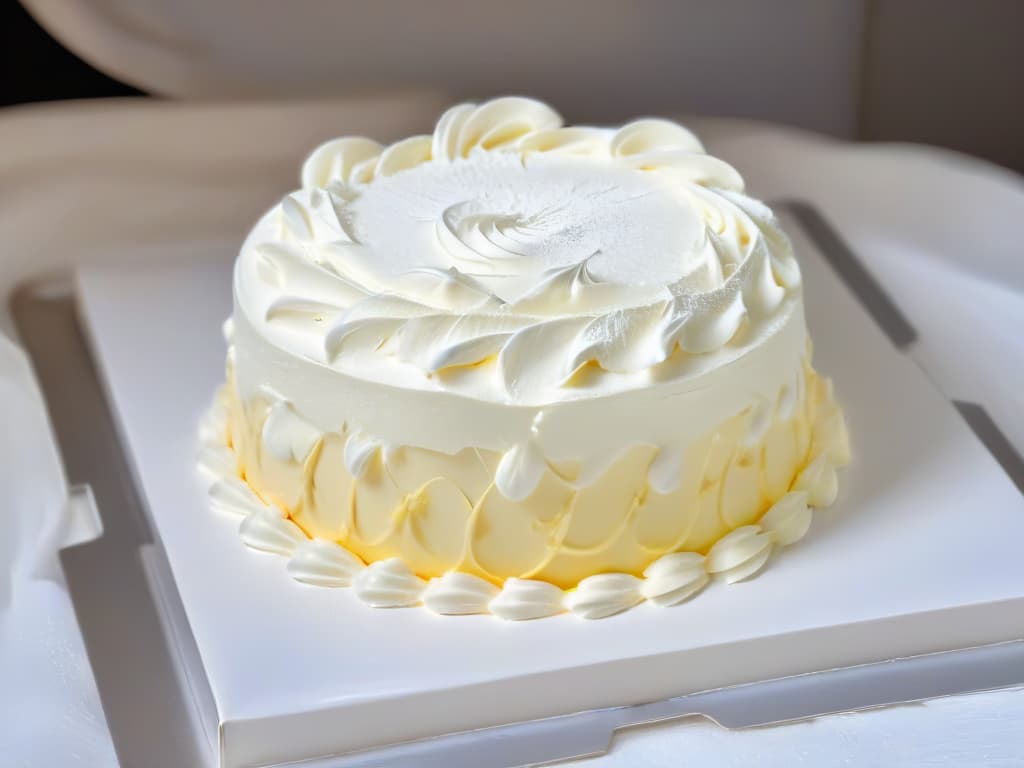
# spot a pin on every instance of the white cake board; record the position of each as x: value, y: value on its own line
x: 920, y: 554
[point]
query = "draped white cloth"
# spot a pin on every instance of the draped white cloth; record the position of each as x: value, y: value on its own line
x: 49, y: 706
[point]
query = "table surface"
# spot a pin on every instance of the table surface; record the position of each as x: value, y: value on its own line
x: 138, y: 181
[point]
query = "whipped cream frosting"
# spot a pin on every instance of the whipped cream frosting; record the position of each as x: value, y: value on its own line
x: 514, y: 284
x: 519, y: 368
x: 503, y: 266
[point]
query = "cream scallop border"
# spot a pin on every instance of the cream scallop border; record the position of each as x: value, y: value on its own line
x: 669, y: 580
x: 437, y: 319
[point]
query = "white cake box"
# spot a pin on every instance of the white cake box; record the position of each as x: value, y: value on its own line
x: 918, y: 556
x: 944, y: 584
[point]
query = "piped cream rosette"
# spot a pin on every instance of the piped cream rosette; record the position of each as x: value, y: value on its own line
x: 522, y: 368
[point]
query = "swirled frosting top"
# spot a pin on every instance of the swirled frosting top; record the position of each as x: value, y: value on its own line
x: 509, y: 258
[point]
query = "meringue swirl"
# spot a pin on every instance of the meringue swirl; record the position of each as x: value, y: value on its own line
x: 513, y: 259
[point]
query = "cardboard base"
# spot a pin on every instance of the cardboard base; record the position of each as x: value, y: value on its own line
x: 920, y: 554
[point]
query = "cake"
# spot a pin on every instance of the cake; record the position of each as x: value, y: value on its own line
x: 520, y: 368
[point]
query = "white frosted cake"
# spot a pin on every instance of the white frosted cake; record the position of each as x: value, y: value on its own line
x: 523, y: 369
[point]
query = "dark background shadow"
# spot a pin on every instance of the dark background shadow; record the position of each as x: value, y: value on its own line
x: 36, y: 67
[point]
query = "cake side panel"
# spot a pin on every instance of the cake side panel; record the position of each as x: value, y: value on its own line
x: 441, y: 512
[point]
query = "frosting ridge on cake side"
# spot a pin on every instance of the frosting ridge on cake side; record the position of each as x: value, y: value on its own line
x: 524, y: 351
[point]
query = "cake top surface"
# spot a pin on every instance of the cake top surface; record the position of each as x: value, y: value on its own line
x: 509, y: 258
x: 507, y: 223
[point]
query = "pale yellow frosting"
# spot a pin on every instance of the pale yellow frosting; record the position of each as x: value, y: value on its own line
x: 442, y: 512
